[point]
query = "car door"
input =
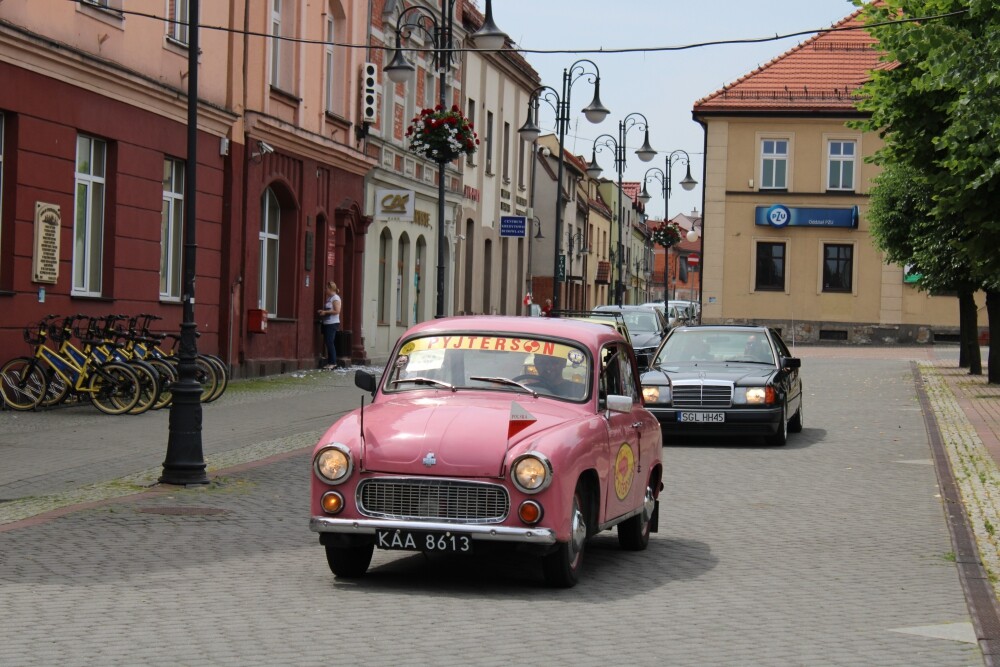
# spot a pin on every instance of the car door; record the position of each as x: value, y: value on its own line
x: 793, y: 378
x: 623, y: 486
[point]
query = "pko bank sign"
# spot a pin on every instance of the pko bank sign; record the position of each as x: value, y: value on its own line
x: 780, y: 215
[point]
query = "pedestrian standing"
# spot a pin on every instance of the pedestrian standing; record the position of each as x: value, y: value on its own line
x: 547, y: 308
x: 330, y: 312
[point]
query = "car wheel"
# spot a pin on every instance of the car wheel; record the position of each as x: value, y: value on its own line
x: 562, y: 566
x: 633, y: 533
x: 779, y: 438
x: 349, y: 562
x: 795, y: 425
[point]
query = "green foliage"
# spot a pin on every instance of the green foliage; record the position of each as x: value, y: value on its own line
x: 935, y: 105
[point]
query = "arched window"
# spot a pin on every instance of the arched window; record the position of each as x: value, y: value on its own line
x: 384, y: 276
x: 270, y: 238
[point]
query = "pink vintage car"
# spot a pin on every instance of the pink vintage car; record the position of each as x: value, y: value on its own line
x: 486, y: 431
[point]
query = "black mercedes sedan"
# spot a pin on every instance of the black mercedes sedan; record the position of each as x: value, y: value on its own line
x: 725, y: 380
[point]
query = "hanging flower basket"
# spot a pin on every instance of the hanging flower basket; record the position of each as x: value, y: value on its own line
x: 667, y: 235
x: 442, y: 135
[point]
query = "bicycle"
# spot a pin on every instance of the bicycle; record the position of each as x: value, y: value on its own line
x: 112, y: 387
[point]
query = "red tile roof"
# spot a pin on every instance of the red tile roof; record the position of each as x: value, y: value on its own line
x: 822, y: 74
x: 631, y: 190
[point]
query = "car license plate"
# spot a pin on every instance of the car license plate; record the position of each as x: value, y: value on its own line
x: 409, y: 540
x: 709, y: 417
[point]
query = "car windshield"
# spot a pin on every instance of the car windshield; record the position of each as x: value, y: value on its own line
x: 503, y: 363
x: 696, y: 345
x: 641, y: 322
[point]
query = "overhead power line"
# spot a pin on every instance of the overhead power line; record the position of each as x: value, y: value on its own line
x: 518, y: 49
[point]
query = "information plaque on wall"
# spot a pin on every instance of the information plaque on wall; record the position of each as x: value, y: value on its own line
x: 45, y: 260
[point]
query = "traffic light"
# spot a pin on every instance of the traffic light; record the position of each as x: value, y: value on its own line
x: 369, y: 80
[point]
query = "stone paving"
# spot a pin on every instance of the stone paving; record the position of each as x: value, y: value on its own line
x: 806, y: 555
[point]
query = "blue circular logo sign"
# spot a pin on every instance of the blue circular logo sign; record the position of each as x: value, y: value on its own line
x: 778, y: 215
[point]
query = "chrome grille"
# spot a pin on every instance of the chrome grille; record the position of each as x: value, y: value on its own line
x: 702, y: 395
x: 433, y: 500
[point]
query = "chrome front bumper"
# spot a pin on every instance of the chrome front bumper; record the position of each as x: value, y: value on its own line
x: 322, y: 524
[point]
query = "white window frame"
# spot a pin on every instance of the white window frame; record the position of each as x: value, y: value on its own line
x: 88, y: 224
x: 332, y: 63
x: 270, y: 244
x: 773, y: 158
x: 179, y: 13
x: 172, y: 229
x: 282, y: 50
x: 836, y: 163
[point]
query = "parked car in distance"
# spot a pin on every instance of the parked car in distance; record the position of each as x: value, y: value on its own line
x: 611, y: 319
x: 646, y: 327
x: 463, y: 451
x: 725, y: 380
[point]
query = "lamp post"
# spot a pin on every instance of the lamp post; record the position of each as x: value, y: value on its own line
x: 688, y: 183
x: 595, y: 112
x: 185, y: 460
x: 574, y: 238
x: 644, y: 153
x: 441, y: 33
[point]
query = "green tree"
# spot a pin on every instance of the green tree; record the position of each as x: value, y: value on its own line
x: 935, y: 105
x: 903, y: 228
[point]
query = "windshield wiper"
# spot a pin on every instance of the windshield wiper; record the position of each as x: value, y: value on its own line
x: 423, y: 380
x: 505, y: 381
x: 744, y: 360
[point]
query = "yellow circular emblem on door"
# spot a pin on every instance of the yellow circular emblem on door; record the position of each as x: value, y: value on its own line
x: 624, y: 470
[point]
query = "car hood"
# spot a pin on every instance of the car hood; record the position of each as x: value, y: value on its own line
x: 738, y: 374
x: 644, y: 339
x: 464, y: 435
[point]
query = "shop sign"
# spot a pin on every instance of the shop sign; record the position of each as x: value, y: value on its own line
x: 781, y: 216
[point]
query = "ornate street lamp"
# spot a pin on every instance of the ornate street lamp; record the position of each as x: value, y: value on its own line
x: 440, y: 30
x: 644, y: 153
x: 664, y: 176
x: 595, y: 112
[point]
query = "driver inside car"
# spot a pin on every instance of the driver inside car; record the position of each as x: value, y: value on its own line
x: 550, y: 372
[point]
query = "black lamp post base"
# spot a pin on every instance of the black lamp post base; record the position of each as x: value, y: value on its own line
x: 185, y: 463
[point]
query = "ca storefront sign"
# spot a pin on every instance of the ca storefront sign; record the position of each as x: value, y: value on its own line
x: 780, y: 216
x: 394, y: 204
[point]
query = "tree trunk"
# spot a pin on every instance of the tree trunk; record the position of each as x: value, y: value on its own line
x: 968, y: 317
x: 993, y: 315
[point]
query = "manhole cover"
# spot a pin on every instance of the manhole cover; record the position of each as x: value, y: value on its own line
x: 183, y: 511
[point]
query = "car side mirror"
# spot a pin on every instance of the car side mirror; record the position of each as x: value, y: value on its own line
x: 618, y: 403
x: 791, y: 362
x: 365, y: 380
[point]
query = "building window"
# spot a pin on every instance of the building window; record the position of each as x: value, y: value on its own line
x: 770, y: 275
x: 841, y: 166
x: 521, y: 151
x: 113, y: 5
x: 178, y: 19
x: 171, y: 229
x: 282, y: 48
x: 471, y: 115
x: 430, y: 99
x: 1, y: 185
x: 774, y: 164
x: 270, y: 237
x: 329, y: 61
x: 506, y: 152
x: 489, y: 142
x: 88, y: 222
x: 838, y: 267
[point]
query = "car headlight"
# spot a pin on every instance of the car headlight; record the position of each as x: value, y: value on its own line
x: 755, y: 396
x: 531, y: 472
x: 333, y: 463
x: 653, y: 393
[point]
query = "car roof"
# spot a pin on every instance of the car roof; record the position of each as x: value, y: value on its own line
x: 722, y: 327
x: 589, y: 334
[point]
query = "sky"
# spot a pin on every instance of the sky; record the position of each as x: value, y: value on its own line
x: 663, y: 86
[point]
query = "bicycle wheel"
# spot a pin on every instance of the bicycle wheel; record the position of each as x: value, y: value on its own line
x: 56, y: 389
x: 149, y: 386
x: 168, y: 376
x: 114, y: 388
x: 207, y: 376
x: 22, y: 383
x: 221, y: 374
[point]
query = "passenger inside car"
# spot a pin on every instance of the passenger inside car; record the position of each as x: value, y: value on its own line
x: 550, y: 372
x: 757, y: 350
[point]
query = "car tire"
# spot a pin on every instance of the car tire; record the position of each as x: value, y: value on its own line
x: 349, y: 562
x: 633, y: 533
x: 562, y: 566
x: 781, y: 437
x: 795, y: 425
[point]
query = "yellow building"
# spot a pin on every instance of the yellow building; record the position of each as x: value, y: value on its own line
x: 786, y: 240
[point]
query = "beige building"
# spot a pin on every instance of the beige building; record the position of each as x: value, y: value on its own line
x: 786, y: 239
